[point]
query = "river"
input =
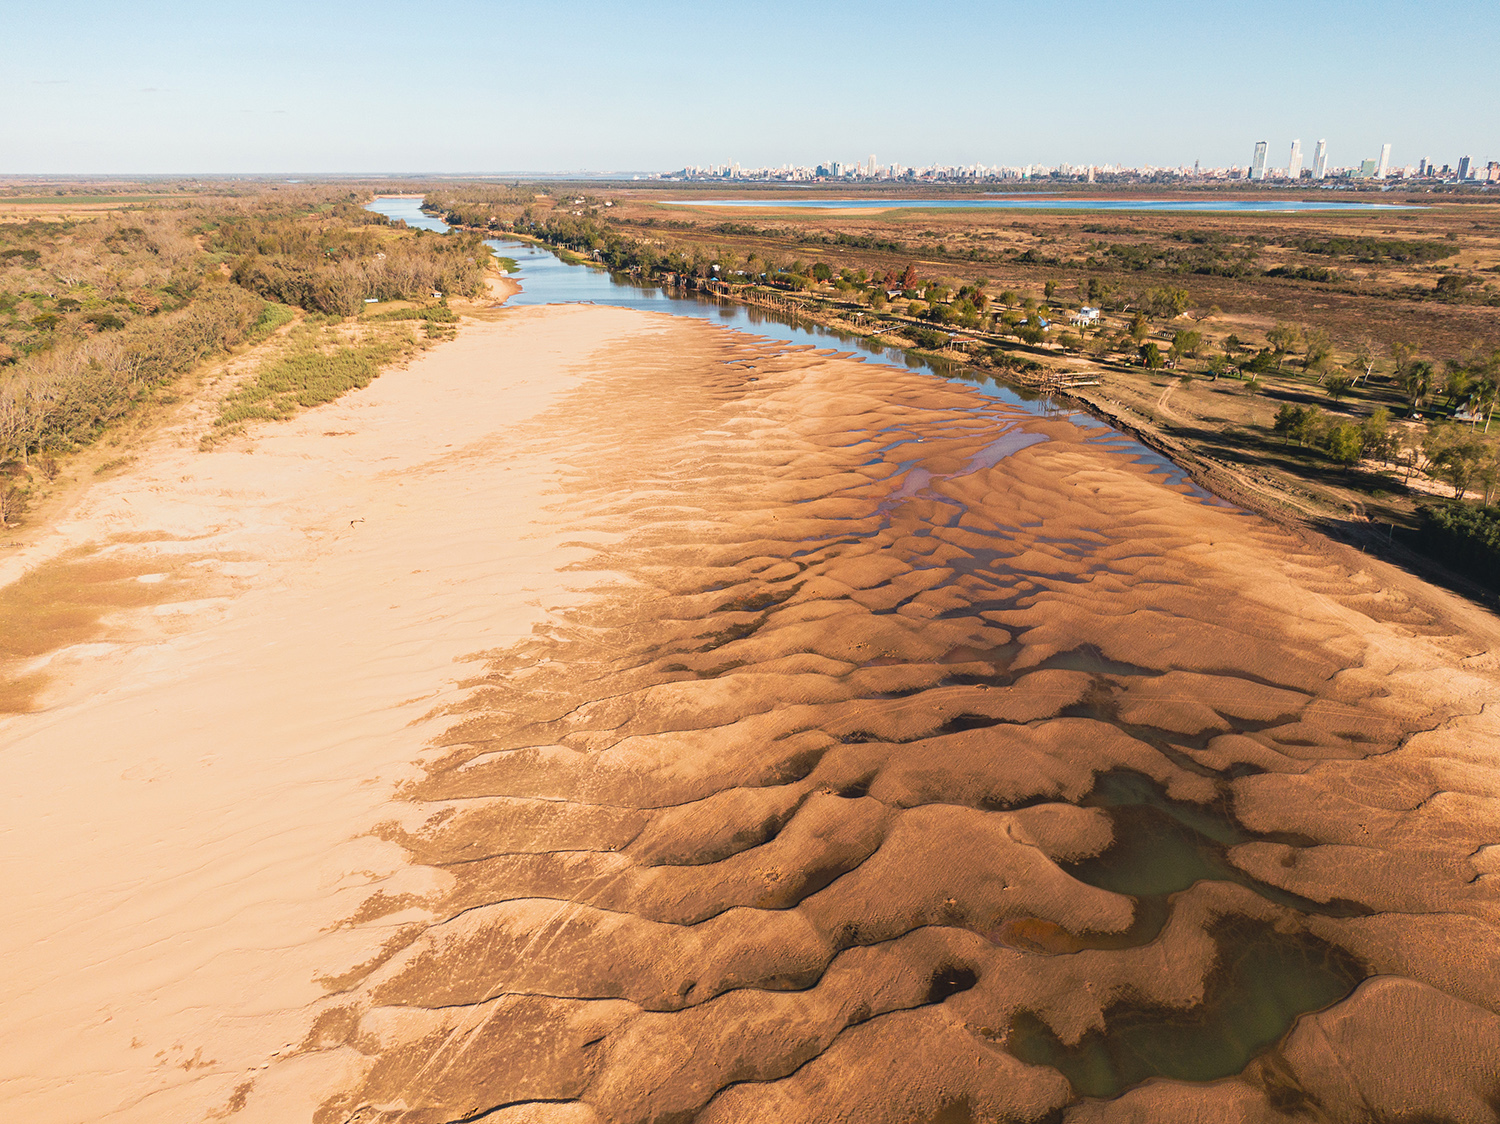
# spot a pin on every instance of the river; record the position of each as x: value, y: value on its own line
x: 546, y: 279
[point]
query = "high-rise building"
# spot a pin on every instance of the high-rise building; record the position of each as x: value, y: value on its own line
x: 1422, y: 166
x: 1383, y: 165
x: 1258, y: 165
x: 1320, y: 160
x: 1463, y: 167
x: 873, y: 165
x: 1294, y: 161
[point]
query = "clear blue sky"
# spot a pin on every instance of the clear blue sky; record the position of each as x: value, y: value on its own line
x: 489, y: 85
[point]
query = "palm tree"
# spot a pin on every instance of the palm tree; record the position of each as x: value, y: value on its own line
x: 1416, y: 382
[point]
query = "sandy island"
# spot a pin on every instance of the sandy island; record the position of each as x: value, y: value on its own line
x: 609, y: 718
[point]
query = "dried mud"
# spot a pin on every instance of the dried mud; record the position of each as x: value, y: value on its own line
x: 922, y: 759
x: 917, y: 758
x: 926, y: 760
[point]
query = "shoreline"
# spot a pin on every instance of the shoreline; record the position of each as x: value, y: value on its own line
x: 1273, y: 496
x: 601, y: 674
x: 233, y: 726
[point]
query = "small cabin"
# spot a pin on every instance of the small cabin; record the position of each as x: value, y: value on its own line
x: 1084, y: 317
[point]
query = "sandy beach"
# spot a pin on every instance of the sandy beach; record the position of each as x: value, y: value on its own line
x: 187, y: 823
x: 610, y: 718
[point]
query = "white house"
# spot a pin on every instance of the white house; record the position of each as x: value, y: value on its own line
x: 1084, y: 317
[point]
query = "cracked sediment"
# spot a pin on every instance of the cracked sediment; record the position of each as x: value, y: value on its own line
x: 870, y: 750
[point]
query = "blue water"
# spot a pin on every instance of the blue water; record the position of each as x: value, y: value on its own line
x: 547, y: 279
x: 1011, y: 203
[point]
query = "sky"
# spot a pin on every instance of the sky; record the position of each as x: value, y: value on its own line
x: 491, y: 86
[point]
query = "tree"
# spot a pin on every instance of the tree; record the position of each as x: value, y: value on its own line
x: 1167, y: 303
x: 1377, y: 435
x: 1364, y: 359
x: 1317, y: 354
x: 1151, y: 356
x: 1337, y: 385
x: 1345, y: 443
x: 1187, y: 343
x: 1287, y: 416
x: 1454, y: 454
x: 909, y: 278
x: 1050, y: 288
x: 1282, y: 338
x: 1415, y: 380
x: 12, y: 503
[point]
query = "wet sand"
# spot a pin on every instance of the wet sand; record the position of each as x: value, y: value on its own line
x: 696, y: 730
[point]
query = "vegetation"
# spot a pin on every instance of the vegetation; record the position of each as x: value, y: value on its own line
x: 313, y: 371
x: 100, y: 315
x: 1465, y: 536
x: 95, y: 315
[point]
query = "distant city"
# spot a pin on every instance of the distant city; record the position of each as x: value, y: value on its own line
x: 1377, y: 169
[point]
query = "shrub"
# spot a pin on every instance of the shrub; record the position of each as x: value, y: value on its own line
x: 1464, y: 536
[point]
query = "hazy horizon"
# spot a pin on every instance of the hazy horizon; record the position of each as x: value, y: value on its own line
x: 484, y: 88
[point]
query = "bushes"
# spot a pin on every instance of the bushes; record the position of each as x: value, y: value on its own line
x: 927, y: 338
x: 330, y: 263
x: 1463, y: 536
x: 64, y: 396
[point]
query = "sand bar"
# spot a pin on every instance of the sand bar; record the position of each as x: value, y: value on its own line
x: 808, y: 719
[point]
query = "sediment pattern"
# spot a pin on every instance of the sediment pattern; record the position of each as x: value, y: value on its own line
x: 919, y: 758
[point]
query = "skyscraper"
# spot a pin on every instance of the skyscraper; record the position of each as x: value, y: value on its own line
x: 1258, y: 165
x: 1294, y: 161
x: 872, y: 165
x: 1463, y: 167
x: 1320, y: 160
x: 1383, y: 165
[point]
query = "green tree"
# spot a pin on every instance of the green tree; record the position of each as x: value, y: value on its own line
x: 1454, y: 455
x: 1151, y: 356
x: 1317, y: 356
x: 1337, y: 385
x: 1415, y: 380
x: 1188, y: 343
x: 1377, y: 433
x: 1282, y: 338
x: 1167, y: 303
x: 1345, y: 443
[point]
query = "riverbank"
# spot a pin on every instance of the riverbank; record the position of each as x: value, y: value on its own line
x: 1220, y: 431
x: 608, y: 717
x: 924, y: 752
x: 230, y: 658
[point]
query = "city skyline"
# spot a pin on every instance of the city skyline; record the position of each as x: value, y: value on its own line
x: 1378, y: 168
